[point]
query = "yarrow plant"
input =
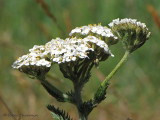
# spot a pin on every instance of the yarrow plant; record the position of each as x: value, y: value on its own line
x: 76, y: 56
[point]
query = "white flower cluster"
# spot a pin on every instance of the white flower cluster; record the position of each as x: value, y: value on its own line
x: 91, y: 47
x: 127, y: 21
x: 93, y: 29
x: 67, y: 50
x: 34, y: 63
x: 36, y: 57
x: 61, y: 51
x: 132, y: 33
x: 72, y: 49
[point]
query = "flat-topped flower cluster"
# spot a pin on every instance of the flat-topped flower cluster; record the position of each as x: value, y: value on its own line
x: 93, y: 29
x: 61, y: 51
x: 99, y: 31
x: 86, y: 42
x: 64, y: 51
x: 76, y: 55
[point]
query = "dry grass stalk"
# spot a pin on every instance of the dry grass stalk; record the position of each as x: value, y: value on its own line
x: 154, y: 14
x: 49, y: 14
x: 6, y: 106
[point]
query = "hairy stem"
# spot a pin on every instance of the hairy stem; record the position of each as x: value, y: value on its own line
x: 124, y: 58
x: 101, y: 92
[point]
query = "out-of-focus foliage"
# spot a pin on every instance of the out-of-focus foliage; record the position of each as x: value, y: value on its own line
x: 134, y: 92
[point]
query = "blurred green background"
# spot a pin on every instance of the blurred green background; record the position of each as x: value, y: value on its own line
x: 134, y: 92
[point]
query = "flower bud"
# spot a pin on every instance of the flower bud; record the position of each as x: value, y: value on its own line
x: 132, y: 33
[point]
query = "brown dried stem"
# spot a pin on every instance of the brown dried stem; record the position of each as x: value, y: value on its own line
x: 46, y: 9
x: 6, y: 106
x: 154, y: 14
x: 67, y: 20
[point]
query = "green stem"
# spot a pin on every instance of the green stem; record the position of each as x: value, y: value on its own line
x: 101, y: 92
x: 82, y: 117
x: 78, y: 100
x: 53, y: 91
x: 124, y: 58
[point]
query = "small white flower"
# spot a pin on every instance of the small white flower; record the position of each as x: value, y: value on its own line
x: 94, y: 29
x: 85, y: 31
x: 56, y: 59
x: 73, y: 58
x: 116, y: 21
x: 76, y: 30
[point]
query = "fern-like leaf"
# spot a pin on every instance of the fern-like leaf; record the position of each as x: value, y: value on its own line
x: 71, y: 96
x: 59, y: 114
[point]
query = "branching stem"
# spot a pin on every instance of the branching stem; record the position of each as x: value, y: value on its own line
x: 78, y: 100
